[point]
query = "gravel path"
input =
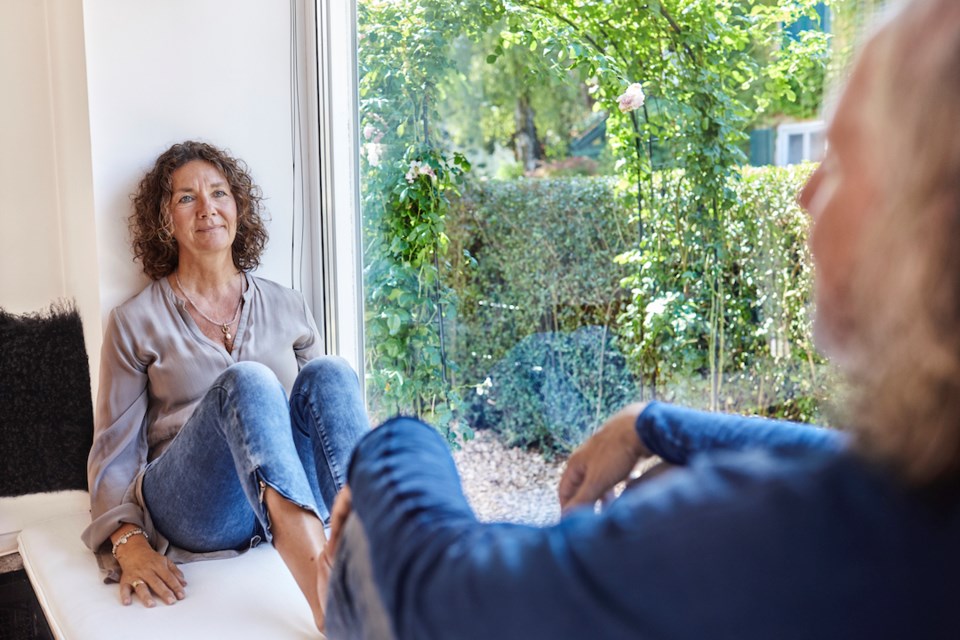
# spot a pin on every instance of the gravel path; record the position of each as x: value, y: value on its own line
x: 509, y: 484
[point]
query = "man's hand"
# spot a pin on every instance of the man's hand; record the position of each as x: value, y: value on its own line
x: 604, y: 460
x: 342, y: 507
x: 146, y: 573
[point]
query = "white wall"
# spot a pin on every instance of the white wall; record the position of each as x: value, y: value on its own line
x: 92, y: 92
x: 47, y: 238
x: 29, y: 215
x: 162, y: 72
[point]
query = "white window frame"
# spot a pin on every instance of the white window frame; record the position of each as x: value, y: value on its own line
x: 332, y: 103
x: 784, y: 131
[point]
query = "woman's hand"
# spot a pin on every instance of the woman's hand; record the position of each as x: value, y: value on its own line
x: 146, y: 573
x: 604, y: 460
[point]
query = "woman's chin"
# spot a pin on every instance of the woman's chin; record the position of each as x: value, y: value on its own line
x: 210, y: 246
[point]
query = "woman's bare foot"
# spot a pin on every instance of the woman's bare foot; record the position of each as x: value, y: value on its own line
x: 298, y: 537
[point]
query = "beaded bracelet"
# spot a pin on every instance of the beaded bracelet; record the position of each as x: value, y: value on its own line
x: 129, y: 534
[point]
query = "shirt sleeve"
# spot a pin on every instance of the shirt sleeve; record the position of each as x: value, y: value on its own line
x: 119, y: 448
x: 442, y: 574
x: 677, y: 433
x: 310, y: 345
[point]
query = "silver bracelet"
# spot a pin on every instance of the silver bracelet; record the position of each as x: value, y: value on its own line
x: 129, y: 534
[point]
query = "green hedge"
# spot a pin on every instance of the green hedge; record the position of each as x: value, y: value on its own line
x: 720, y: 309
x: 535, y: 256
x: 538, y: 264
x: 564, y: 314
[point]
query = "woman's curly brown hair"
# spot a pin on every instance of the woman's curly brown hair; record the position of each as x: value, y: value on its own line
x: 153, y: 243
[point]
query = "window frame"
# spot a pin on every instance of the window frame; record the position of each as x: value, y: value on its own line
x: 785, y: 131
x: 335, y: 180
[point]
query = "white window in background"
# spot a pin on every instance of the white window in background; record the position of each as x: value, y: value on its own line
x: 800, y: 142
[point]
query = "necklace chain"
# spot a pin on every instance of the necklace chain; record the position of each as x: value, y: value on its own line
x: 223, y: 326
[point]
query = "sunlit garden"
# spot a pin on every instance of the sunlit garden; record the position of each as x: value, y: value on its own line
x: 570, y: 204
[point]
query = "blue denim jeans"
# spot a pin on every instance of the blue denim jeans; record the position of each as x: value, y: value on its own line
x: 354, y: 606
x: 205, y: 491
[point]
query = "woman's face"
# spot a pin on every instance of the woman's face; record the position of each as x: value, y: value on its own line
x: 840, y: 197
x: 202, y: 210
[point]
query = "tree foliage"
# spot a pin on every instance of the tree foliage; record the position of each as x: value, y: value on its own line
x: 508, y: 94
x: 409, y: 176
x: 699, y: 65
x: 697, y: 62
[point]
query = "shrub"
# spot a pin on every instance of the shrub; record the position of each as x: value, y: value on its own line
x: 532, y: 256
x: 566, y: 168
x: 552, y: 390
x: 534, y: 263
x: 740, y: 279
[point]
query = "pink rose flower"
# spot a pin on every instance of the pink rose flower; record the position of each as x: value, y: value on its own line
x: 418, y: 169
x: 632, y: 98
x: 413, y: 172
x: 373, y: 152
x: 370, y: 131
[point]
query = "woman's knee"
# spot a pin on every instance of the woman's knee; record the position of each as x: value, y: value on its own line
x: 245, y: 374
x: 328, y: 370
x: 251, y: 381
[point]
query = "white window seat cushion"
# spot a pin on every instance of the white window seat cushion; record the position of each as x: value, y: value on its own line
x: 252, y: 596
x: 19, y: 512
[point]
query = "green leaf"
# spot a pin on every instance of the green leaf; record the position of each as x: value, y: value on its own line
x: 393, y: 323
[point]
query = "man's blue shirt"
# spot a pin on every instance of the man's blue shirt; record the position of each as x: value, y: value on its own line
x: 767, y: 530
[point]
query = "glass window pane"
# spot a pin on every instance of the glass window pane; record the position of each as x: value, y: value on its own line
x: 545, y: 242
x: 795, y: 148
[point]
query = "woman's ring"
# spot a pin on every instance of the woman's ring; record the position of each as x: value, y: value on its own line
x: 137, y: 583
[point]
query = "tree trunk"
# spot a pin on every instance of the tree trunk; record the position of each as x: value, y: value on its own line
x: 526, y: 145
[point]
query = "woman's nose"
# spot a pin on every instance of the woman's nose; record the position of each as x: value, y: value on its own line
x: 206, y: 207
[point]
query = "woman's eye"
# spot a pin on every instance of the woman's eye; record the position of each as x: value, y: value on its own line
x: 185, y: 199
x: 219, y: 193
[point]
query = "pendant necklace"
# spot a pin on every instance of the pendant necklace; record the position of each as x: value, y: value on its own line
x: 224, y: 326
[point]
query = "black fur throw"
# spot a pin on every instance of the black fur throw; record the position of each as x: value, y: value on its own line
x: 46, y: 417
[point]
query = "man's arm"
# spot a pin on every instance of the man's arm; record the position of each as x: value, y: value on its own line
x: 677, y: 433
x: 659, y: 563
